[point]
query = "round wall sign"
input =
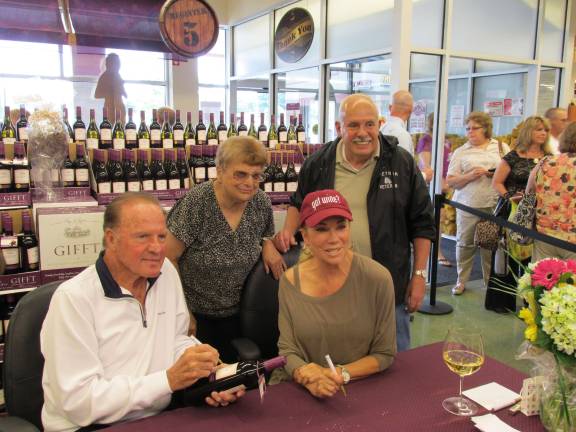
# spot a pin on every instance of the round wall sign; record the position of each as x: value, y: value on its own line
x: 294, y: 35
x: 188, y: 27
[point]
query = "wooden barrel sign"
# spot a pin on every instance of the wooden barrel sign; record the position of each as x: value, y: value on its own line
x: 294, y: 35
x: 189, y: 27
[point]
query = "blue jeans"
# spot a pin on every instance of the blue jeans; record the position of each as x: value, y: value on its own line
x: 402, y: 328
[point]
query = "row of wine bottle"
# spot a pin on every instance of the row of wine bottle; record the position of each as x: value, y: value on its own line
x: 14, y: 173
x: 20, y: 252
x: 161, y: 133
x: 121, y: 173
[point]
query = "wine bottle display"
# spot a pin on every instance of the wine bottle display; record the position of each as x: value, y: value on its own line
x: 9, y: 245
x: 118, y: 135
x: 81, y: 171
x: 144, y: 170
x: 178, y: 131
x: 252, y: 129
x: 158, y: 171
x: 101, y: 173
x: 212, y: 134
x: 200, y: 130
x: 79, y: 127
x: 242, y: 129
x: 300, y: 131
x: 189, y: 132
x: 263, y: 131
x: 232, y: 127
x: 171, y: 170
x: 8, y: 131
x: 5, y: 171
x: 22, y: 125
x: 222, y: 130
x: 21, y: 168
x: 143, y: 132
x: 244, y: 375
x: 291, y: 136
x: 67, y: 173
x: 130, y: 132
x: 130, y: 172
x: 116, y: 172
x: 282, y: 131
x: 167, y: 135
x: 155, y: 131
x: 66, y: 124
x: 29, y: 256
x: 105, y: 131
x: 272, y: 133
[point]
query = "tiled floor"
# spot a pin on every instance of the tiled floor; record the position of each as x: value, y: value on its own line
x: 503, y: 334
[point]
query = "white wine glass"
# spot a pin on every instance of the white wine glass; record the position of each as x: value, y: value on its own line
x: 463, y: 353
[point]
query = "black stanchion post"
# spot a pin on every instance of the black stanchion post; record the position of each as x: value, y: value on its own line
x: 433, y: 307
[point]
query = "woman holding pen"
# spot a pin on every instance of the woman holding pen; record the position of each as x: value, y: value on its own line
x: 334, y: 304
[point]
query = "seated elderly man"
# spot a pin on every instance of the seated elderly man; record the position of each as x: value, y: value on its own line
x: 115, y: 336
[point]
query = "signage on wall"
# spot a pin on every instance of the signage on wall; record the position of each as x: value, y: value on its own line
x: 418, y: 117
x: 505, y: 107
x: 294, y: 35
x: 188, y: 27
x: 456, y: 119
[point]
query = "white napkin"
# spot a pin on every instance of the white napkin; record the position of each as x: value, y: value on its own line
x: 492, y: 396
x: 491, y: 423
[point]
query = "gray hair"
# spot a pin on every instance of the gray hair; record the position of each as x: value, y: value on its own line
x: 241, y: 149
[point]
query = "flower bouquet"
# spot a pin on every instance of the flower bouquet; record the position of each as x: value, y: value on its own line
x: 549, y: 289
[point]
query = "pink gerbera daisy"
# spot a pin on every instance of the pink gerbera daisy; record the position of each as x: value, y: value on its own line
x: 571, y: 266
x: 547, y: 272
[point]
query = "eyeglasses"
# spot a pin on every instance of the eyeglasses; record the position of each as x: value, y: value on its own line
x: 468, y: 129
x: 243, y: 176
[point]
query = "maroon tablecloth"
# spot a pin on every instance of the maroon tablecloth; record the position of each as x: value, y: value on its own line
x: 406, y: 397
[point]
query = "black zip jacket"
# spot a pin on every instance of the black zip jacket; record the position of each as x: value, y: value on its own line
x: 399, y: 206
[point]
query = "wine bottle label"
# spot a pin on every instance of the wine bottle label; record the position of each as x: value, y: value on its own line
x: 186, y: 183
x: 118, y: 187
x: 105, y: 134
x: 134, y: 186
x: 92, y: 143
x: 279, y: 187
x: 226, y: 371
x: 212, y: 173
x: 213, y: 141
x: 55, y: 175
x: 268, y: 187
x: 190, y: 141
x: 301, y: 137
x: 297, y: 168
x: 178, y: 135
x: 68, y: 175
x: 143, y: 143
x: 291, y: 186
x: 201, y: 135
x: 283, y: 137
x: 272, y: 144
x: 82, y: 174
x: 8, y: 140
x: 104, y: 187
x: 174, y: 184
x: 161, y: 184
x: 222, y: 136
x: 131, y: 135
x: 243, y: 133
x: 167, y: 143
x: 5, y: 177
x: 80, y: 134
x: 292, y: 141
x: 155, y: 134
x: 23, y: 134
x: 8, y: 242
x: 22, y: 176
x: 11, y: 256
x: 263, y: 136
x: 32, y: 254
x: 199, y: 174
x: 148, y: 185
x: 118, y: 143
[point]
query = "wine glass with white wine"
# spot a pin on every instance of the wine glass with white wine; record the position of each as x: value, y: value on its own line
x: 463, y: 353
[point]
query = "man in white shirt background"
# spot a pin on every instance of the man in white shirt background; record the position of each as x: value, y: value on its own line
x: 400, y: 110
x: 558, y: 118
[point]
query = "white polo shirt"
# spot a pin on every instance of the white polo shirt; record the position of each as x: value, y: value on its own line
x: 396, y: 127
x: 106, y: 356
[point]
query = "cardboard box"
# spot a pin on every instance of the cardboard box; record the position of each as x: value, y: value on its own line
x: 69, y: 237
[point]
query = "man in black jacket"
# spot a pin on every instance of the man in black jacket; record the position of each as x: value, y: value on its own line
x: 388, y: 198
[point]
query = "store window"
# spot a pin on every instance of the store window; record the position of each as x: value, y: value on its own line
x: 548, y: 89
x: 370, y: 76
x: 368, y: 21
x: 298, y: 94
x: 424, y: 72
x: 212, y: 78
x: 553, y: 30
x: 427, y: 23
x: 252, y: 97
x: 68, y: 76
x: 252, y: 47
x: 458, y: 106
x: 502, y: 97
x: 495, y: 27
x: 313, y: 7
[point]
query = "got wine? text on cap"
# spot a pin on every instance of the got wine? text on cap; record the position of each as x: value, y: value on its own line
x: 322, y: 204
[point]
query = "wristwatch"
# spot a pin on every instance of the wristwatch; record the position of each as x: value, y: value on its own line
x: 422, y: 273
x: 345, y: 374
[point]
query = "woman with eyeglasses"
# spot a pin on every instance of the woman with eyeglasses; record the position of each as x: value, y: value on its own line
x: 469, y: 173
x: 216, y: 235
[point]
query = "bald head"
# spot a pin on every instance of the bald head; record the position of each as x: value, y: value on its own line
x: 356, y: 102
x: 402, y: 104
x: 558, y: 118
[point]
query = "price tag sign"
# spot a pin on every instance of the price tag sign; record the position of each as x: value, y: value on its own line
x: 188, y: 27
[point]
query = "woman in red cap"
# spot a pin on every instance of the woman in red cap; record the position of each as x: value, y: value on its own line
x: 334, y: 302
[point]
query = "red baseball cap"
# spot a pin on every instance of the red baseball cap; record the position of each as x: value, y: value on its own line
x: 321, y: 205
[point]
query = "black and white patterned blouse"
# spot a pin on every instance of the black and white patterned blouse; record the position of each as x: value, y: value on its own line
x: 217, y: 260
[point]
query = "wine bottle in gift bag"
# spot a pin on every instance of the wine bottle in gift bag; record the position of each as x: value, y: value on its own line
x: 244, y: 375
